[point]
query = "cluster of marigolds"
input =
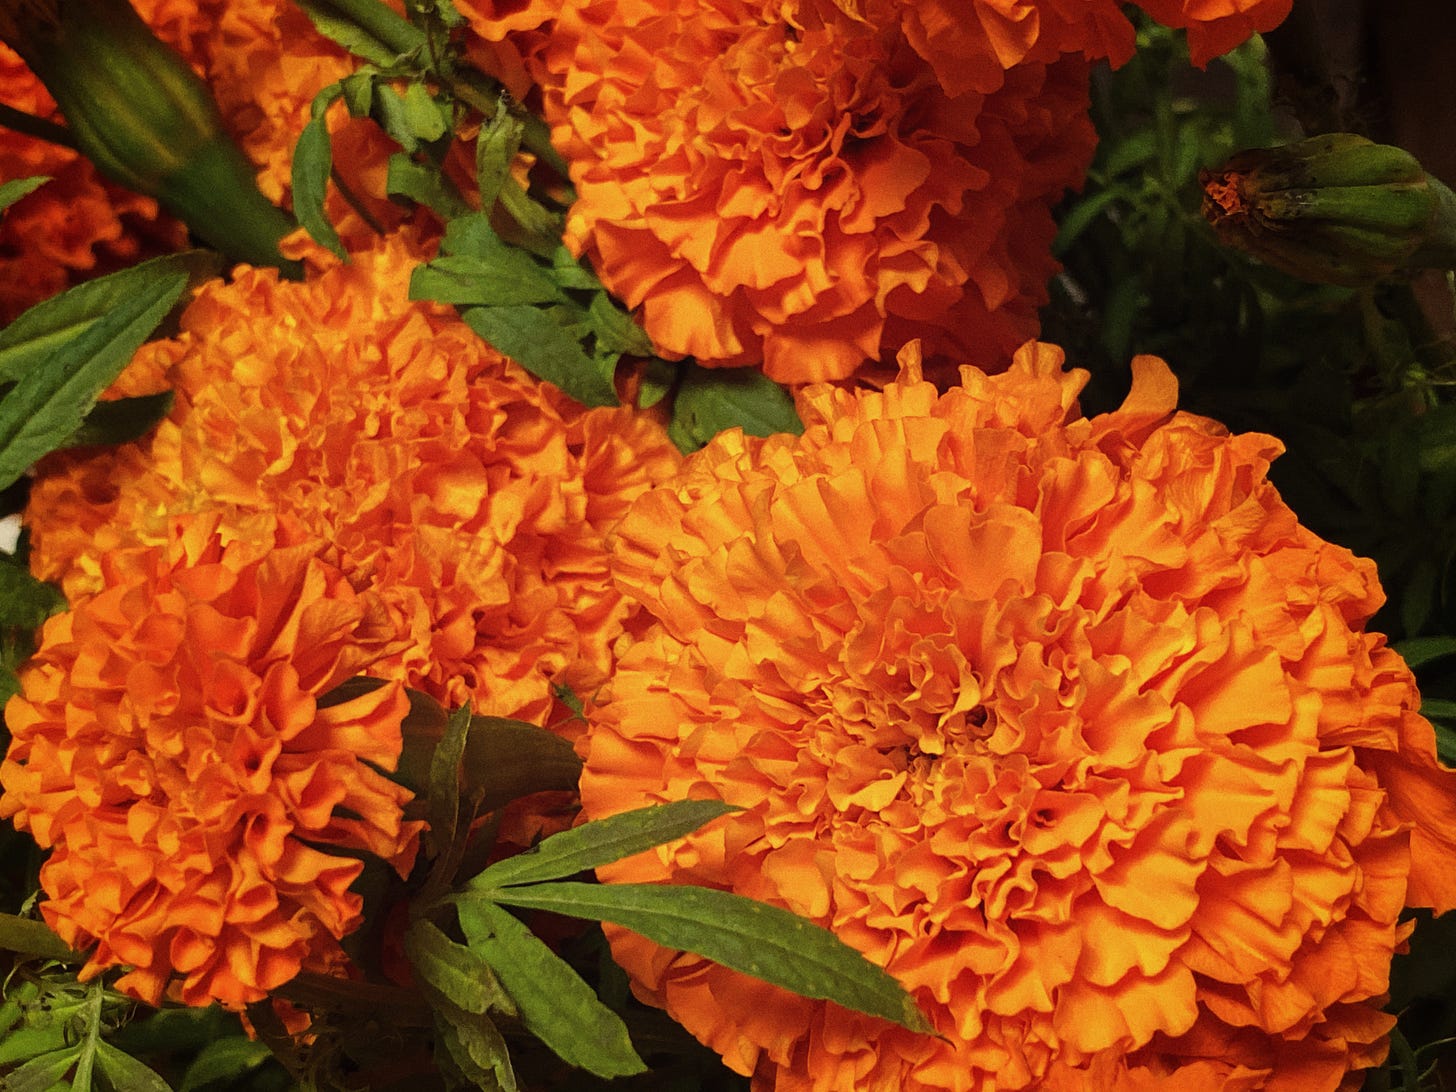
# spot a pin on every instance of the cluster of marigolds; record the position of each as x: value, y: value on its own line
x: 1066, y: 722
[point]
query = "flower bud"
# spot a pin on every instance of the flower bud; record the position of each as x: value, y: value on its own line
x: 144, y: 118
x: 1334, y: 209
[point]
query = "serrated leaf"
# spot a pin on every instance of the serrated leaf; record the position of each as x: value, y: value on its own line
x: 424, y: 185
x: 25, y: 601
x: 466, y: 279
x: 39, y: 1074
x: 710, y: 400
x: 444, y: 791
x: 125, y: 1074
x: 223, y: 1059
x: 507, y: 759
x: 535, y: 340
x: 51, y: 399
x: 360, y: 41
x: 554, y: 1004
x: 313, y: 160
x: 37, y: 335
x: 122, y: 420
x: 453, y: 970
x: 495, y: 151
x: 752, y: 937
x: 478, y: 1050
x: 602, y: 841
x: 13, y: 190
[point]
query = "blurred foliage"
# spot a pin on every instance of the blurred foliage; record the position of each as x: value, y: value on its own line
x: 1353, y: 382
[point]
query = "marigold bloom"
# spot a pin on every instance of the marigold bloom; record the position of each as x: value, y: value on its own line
x: 1068, y: 723
x: 169, y: 745
x: 805, y: 194
x: 471, y: 497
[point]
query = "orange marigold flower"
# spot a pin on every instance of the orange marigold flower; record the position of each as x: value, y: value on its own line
x: 170, y: 745
x: 1068, y: 723
x: 804, y: 194
x: 471, y: 497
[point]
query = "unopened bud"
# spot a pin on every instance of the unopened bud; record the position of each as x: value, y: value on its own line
x: 1334, y: 209
x: 145, y: 119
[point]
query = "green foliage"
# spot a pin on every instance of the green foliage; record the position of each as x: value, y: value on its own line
x: 502, y: 261
x: 13, y: 190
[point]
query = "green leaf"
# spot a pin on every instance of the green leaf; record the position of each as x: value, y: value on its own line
x: 471, y: 279
x: 50, y: 400
x: 508, y: 759
x: 362, y: 41
x: 554, y: 1003
x: 536, y: 340
x: 224, y: 1059
x: 752, y: 937
x: 657, y: 383
x: 29, y: 937
x: 602, y: 841
x: 358, y: 91
x: 615, y: 330
x: 444, y: 793
x: 477, y: 1049
x: 427, y: 119
x: 1082, y: 215
x: 313, y: 161
x: 32, y: 1042
x: 424, y: 185
x: 122, y: 420
x: 711, y: 400
x: 13, y: 190
x: 41, y: 332
x: 125, y: 1074
x: 452, y: 970
x: 25, y: 601
x: 1419, y: 651
x: 495, y: 151
x: 39, y: 1074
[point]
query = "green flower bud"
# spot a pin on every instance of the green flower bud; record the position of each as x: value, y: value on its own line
x: 1334, y: 209
x: 143, y: 117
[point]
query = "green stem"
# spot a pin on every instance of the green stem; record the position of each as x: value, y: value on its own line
x: 91, y: 1014
x: 32, y: 126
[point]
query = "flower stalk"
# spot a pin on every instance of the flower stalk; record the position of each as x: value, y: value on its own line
x: 144, y: 118
x: 1334, y: 209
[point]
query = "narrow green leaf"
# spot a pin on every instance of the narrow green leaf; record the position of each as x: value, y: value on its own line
x: 25, y: 601
x: 508, y: 759
x: 454, y: 971
x: 1419, y: 651
x: 425, y: 185
x: 1081, y: 216
x: 37, y: 335
x: 125, y: 1074
x: 601, y: 841
x: 568, y: 271
x: 530, y: 337
x: 444, y: 794
x: 122, y: 420
x: 469, y: 279
x: 224, y: 1059
x: 49, y: 401
x: 32, y: 1042
x: 39, y: 1074
x: 34, y: 938
x: 478, y: 1050
x: 13, y: 190
x: 495, y: 151
x: 554, y: 1003
x: 313, y: 160
x: 615, y: 329
x: 711, y: 400
x: 358, y: 91
x: 752, y: 937
x: 358, y: 38
x: 657, y: 382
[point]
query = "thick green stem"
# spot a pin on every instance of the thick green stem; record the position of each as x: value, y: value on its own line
x: 32, y: 126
